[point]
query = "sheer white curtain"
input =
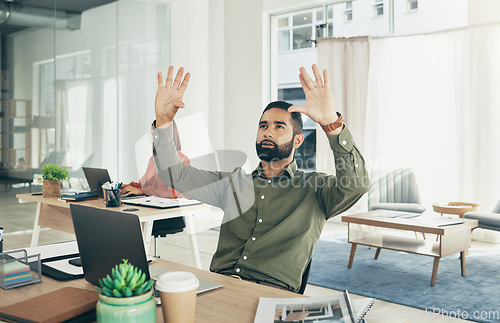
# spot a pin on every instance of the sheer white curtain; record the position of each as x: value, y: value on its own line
x: 433, y: 105
x: 346, y: 60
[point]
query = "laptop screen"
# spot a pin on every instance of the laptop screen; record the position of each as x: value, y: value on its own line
x: 105, y: 238
x: 95, y: 178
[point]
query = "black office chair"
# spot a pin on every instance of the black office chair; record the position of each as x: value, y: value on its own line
x: 305, y: 278
x: 167, y: 226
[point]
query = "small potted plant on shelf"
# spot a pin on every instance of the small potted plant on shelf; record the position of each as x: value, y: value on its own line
x: 52, y: 176
x: 126, y: 296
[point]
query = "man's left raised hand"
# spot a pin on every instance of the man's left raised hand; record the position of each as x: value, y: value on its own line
x: 320, y: 104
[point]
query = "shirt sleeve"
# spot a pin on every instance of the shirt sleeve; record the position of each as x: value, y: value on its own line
x: 202, y: 185
x: 338, y: 193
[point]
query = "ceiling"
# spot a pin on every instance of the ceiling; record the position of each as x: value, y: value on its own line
x: 68, y: 6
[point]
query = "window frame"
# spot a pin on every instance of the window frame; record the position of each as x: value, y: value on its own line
x: 290, y: 27
x: 377, y: 6
x: 347, y: 11
x: 410, y: 3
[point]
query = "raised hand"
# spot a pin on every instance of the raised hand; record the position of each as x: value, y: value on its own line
x: 320, y: 105
x: 169, y: 95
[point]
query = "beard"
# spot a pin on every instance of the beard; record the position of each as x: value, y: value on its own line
x: 278, y: 152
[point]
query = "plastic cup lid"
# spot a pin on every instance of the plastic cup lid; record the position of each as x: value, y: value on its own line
x: 177, y: 282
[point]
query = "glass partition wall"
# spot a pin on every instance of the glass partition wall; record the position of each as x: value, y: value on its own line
x: 79, y: 90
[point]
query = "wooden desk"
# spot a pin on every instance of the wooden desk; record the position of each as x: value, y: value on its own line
x: 381, y: 232
x: 235, y: 302
x: 55, y: 214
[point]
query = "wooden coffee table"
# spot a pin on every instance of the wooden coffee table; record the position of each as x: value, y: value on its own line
x: 374, y: 229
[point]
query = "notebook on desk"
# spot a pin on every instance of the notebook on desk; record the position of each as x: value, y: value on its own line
x: 106, y: 237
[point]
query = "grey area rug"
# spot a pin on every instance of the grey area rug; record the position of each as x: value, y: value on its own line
x: 404, y: 278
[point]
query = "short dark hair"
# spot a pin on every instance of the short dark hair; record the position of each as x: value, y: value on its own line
x: 298, y: 125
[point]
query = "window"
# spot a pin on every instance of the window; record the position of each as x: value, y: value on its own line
x: 301, y: 37
x: 297, y: 30
x: 348, y: 11
x: 412, y: 4
x: 283, y: 40
x: 295, y: 33
x: 379, y: 7
x: 305, y: 155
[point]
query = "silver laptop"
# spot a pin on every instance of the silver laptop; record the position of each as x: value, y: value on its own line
x: 95, y: 178
x: 106, y: 237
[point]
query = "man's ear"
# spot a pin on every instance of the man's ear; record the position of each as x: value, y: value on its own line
x: 298, y: 140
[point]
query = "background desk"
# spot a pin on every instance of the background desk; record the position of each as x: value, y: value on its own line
x: 235, y: 302
x: 55, y: 214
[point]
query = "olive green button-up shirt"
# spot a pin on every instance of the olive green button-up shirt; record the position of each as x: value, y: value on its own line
x: 270, y: 225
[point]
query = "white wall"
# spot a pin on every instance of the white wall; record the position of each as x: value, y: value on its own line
x: 483, y: 11
x: 243, y: 94
x: 216, y: 116
x: 190, y: 47
x: 431, y: 16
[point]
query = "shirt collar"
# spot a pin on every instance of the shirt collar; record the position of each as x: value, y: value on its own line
x: 291, y: 169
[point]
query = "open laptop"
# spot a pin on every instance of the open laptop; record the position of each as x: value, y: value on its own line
x: 96, y: 177
x: 106, y: 237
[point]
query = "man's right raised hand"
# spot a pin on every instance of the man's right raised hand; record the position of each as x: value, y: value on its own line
x: 169, y: 95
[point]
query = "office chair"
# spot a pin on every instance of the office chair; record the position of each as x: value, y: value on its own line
x: 305, y: 278
x: 394, y: 190
x: 167, y: 226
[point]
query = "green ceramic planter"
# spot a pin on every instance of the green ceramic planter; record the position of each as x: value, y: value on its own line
x: 136, y: 309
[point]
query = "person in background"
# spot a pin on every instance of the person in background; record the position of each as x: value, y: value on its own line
x: 150, y: 184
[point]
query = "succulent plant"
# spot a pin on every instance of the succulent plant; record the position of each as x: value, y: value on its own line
x: 126, y: 280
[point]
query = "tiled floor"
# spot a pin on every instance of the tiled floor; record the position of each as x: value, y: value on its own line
x: 17, y: 220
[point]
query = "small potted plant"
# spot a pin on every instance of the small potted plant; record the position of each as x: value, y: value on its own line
x: 52, y: 175
x: 126, y: 296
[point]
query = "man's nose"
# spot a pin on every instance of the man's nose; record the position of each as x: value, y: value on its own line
x: 268, y: 133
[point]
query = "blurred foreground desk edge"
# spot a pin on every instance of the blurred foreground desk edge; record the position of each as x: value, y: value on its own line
x: 236, y: 301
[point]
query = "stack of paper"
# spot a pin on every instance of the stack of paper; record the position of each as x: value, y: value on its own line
x: 16, y: 272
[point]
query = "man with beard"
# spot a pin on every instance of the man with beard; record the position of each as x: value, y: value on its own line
x: 274, y: 216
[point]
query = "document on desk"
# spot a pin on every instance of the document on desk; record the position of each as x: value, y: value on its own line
x: 442, y: 221
x: 333, y: 308
x: 397, y: 214
x: 159, y: 202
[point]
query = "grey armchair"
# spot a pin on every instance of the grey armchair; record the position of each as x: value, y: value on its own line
x: 394, y: 190
x: 486, y: 220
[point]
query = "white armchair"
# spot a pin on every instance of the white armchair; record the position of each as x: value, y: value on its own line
x: 394, y: 190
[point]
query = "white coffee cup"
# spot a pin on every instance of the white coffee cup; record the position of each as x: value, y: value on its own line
x: 178, y: 296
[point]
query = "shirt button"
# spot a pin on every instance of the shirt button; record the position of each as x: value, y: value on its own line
x: 156, y: 136
x: 238, y: 270
x: 253, y: 238
x: 260, y: 220
x: 262, y: 197
x: 344, y: 142
x: 269, y: 181
x: 245, y: 257
x: 356, y: 165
